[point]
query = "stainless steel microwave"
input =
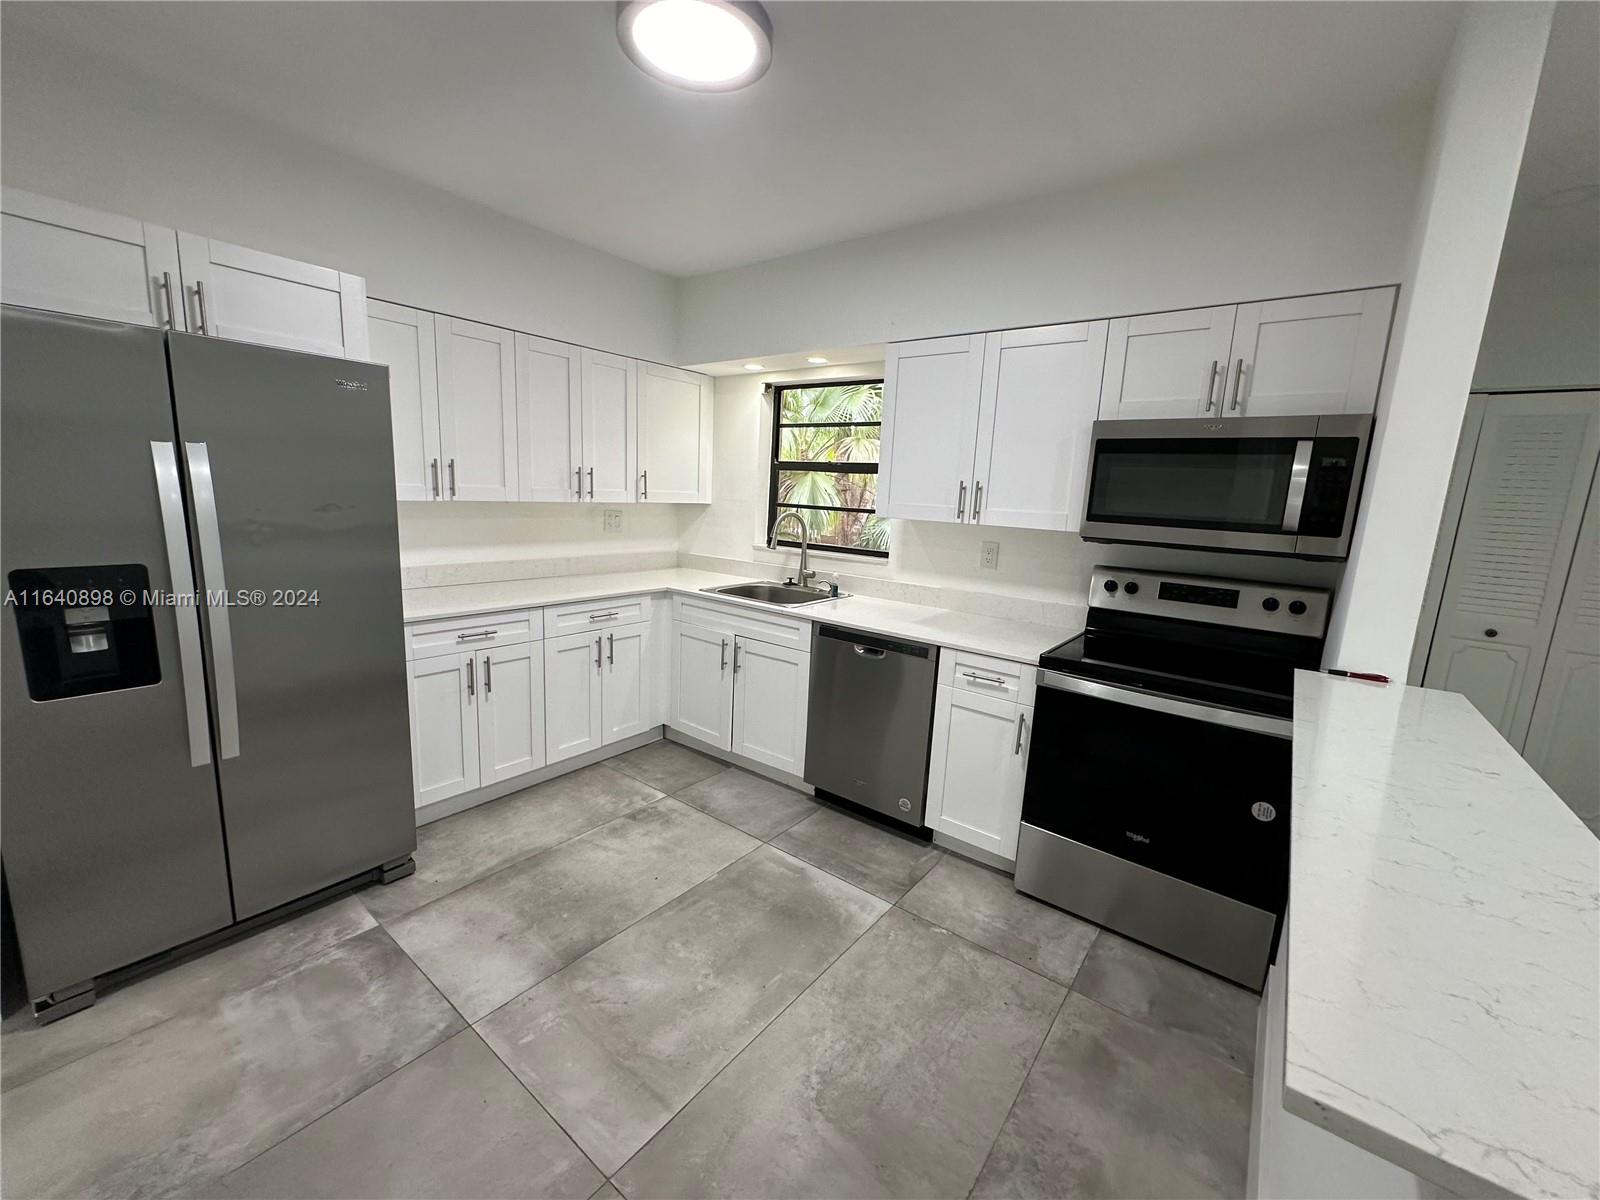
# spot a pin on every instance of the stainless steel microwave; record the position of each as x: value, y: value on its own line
x: 1266, y: 485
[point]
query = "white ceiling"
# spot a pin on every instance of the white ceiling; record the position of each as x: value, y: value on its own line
x: 874, y: 115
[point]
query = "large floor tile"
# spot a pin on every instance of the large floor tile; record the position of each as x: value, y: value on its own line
x: 205, y: 1091
x: 457, y: 850
x: 758, y: 806
x: 28, y: 1050
x: 856, y: 850
x: 454, y: 1123
x: 890, y: 1076
x: 1118, y: 1108
x: 666, y: 766
x: 983, y: 906
x: 619, y: 1041
x: 1152, y: 987
x: 501, y: 935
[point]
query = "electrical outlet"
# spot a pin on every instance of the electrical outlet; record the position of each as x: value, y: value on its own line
x: 991, y: 556
x: 613, y: 520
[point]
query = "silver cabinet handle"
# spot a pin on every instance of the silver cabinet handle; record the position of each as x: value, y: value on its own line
x: 181, y: 568
x: 736, y: 656
x: 1211, y: 385
x: 1238, y: 378
x: 977, y: 498
x: 611, y: 649
x: 605, y: 616
x: 480, y: 633
x: 997, y: 680
x: 471, y: 678
x: 434, y: 467
x: 644, y: 481
x: 452, y: 479
x: 203, y: 489
x: 200, y: 297
x: 488, y: 676
x: 1022, y: 725
x: 723, y: 665
x: 580, y: 483
x: 961, y: 502
x: 597, y: 657
x: 172, y: 304
x: 591, y: 483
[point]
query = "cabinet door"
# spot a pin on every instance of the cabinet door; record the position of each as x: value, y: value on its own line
x: 477, y: 409
x: 1041, y: 391
x: 930, y: 428
x: 444, y: 727
x: 629, y: 694
x: 1166, y: 364
x: 247, y: 296
x: 511, y: 710
x: 702, y: 684
x: 771, y: 687
x: 674, y: 435
x: 549, y: 419
x: 65, y: 258
x: 402, y: 339
x: 572, y: 694
x: 610, y: 420
x: 976, y: 769
x: 1309, y: 354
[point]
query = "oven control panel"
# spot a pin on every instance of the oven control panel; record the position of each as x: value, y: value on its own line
x: 1242, y: 603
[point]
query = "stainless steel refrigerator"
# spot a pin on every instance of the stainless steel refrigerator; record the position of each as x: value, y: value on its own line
x: 204, y: 706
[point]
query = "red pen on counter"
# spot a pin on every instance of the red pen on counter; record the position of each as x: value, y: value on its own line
x: 1369, y: 676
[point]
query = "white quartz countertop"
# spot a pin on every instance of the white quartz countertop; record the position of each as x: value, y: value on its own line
x: 1015, y: 640
x: 1442, y: 1000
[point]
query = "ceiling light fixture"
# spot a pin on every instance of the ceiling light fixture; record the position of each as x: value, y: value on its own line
x: 816, y: 360
x: 702, y: 45
x: 754, y: 367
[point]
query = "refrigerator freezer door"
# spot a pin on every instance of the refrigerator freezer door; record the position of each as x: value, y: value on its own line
x: 291, y: 487
x: 112, y: 836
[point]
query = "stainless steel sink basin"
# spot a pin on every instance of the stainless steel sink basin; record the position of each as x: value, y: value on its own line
x: 787, y: 594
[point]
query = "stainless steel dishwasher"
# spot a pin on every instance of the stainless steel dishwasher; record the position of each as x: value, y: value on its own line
x: 870, y: 719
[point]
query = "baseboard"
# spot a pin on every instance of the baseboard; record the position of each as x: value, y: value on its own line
x: 738, y: 760
x: 440, y: 809
x: 976, y: 853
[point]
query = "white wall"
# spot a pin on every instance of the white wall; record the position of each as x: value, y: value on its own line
x: 1312, y: 213
x: 1480, y: 126
x: 1543, y: 330
x: 85, y: 130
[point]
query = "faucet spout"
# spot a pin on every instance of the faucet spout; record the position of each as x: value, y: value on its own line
x: 805, y: 574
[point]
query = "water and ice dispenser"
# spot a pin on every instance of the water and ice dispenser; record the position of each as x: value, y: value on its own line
x: 84, y: 630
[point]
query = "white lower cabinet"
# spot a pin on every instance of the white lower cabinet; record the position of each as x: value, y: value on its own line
x: 477, y: 717
x: 627, y: 701
x: 772, y: 685
x: 573, y: 694
x: 444, y: 728
x: 510, y: 711
x: 977, y: 768
x: 702, y: 685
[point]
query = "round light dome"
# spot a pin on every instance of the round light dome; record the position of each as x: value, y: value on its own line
x: 702, y: 45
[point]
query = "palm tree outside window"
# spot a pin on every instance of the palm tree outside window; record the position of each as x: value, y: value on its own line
x: 825, y: 442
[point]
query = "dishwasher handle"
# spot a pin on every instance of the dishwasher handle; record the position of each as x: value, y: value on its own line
x: 869, y: 651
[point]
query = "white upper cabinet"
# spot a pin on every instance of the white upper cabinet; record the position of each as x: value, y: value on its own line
x: 402, y: 339
x: 1166, y: 364
x: 477, y: 409
x: 1041, y: 390
x: 549, y: 419
x: 930, y: 428
x: 674, y: 435
x: 70, y: 259
x: 1309, y: 354
x: 248, y: 296
x: 610, y: 420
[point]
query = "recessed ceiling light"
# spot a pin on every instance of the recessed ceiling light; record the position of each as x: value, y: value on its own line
x: 816, y: 360
x: 702, y: 45
x: 754, y: 367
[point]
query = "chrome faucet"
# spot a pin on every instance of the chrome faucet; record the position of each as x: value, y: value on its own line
x: 806, y: 574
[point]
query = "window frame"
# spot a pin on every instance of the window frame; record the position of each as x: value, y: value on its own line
x: 778, y: 466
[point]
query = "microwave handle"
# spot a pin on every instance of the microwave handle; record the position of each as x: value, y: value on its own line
x: 1299, y: 473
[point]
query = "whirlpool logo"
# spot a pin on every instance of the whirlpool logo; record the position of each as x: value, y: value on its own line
x: 351, y: 385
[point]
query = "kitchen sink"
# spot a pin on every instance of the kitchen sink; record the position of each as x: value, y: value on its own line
x: 787, y: 594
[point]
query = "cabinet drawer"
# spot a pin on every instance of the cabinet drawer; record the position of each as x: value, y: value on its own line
x: 448, y: 635
x: 743, y: 621
x: 579, y: 618
x: 978, y: 673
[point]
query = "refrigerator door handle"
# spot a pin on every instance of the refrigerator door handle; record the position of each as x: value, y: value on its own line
x: 205, y: 509
x: 181, y: 569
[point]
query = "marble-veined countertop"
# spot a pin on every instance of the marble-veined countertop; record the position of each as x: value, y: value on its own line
x: 1442, y: 1000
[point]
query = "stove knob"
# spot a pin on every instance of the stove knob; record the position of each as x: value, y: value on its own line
x: 1270, y: 604
x: 1297, y: 607
x: 1131, y: 588
x: 1111, y: 585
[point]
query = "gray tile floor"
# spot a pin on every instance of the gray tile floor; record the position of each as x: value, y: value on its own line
x: 659, y: 976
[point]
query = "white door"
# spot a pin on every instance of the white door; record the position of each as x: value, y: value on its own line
x: 1562, y: 745
x: 510, y: 710
x: 930, y: 428
x: 247, y: 296
x: 549, y: 419
x: 674, y: 435
x: 402, y: 340
x: 1514, y: 546
x: 572, y: 694
x: 1166, y: 364
x: 629, y: 695
x: 770, y: 691
x: 70, y: 259
x: 444, y: 727
x: 977, y: 767
x: 610, y: 419
x: 702, y: 684
x: 1309, y: 354
x: 1041, y: 392
x: 477, y: 409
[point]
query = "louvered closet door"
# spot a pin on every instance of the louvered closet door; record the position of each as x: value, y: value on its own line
x: 1513, y: 550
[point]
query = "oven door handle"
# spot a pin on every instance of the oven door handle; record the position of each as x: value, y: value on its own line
x: 1280, y: 727
x: 1299, y: 473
